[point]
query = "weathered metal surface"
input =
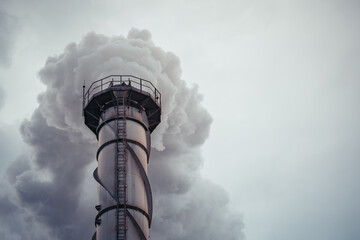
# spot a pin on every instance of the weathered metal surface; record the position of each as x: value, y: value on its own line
x: 122, y: 117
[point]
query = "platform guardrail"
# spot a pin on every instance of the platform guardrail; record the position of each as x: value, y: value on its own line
x: 141, y: 84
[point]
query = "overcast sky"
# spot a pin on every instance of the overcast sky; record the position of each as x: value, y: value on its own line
x: 280, y: 79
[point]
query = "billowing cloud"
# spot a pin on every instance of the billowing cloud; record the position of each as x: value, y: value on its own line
x: 52, y: 187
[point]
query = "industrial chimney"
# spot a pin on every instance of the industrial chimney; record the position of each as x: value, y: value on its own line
x: 122, y: 111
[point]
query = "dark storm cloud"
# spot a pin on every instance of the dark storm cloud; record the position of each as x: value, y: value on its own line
x: 186, y: 205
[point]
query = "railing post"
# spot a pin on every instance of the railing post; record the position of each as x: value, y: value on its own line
x: 83, y: 99
x: 101, y: 85
x: 140, y: 85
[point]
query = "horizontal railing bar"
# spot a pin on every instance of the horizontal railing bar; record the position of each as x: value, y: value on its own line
x: 106, y: 82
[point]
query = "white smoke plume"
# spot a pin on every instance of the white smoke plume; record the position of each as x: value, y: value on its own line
x: 53, y: 188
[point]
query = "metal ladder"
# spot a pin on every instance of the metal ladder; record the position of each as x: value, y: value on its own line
x: 121, y: 227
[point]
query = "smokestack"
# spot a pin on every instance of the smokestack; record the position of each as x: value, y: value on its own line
x: 122, y: 111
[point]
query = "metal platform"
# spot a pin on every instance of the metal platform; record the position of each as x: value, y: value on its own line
x: 142, y: 94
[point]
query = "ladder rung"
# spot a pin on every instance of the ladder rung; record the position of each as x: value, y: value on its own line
x: 121, y: 167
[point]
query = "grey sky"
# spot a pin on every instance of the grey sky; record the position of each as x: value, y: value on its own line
x: 8, y: 27
x: 280, y: 80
